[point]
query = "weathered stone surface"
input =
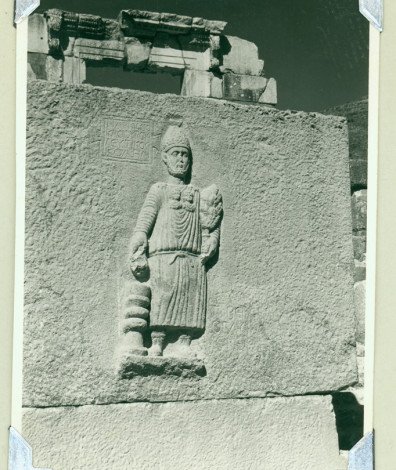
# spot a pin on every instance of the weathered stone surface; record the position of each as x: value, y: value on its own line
x: 296, y: 433
x: 359, y: 210
x: 243, y: 87
x: 198, y: 83
x: 360, y: 309
x: 270, y: 94
x: 137, y: 53
x: 280, y: 312
x: 242, y: 57
x: 74, y: 70
x: 98, y: 50
x: 359, y: 247
x: 128, y: 367
x: 37, y: 34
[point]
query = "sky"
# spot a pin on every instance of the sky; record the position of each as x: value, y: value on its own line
x: 317, y: 50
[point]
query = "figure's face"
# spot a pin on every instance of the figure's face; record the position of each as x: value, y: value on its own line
x: 177, y: 159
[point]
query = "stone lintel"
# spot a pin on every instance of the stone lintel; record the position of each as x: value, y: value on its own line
x: 98, y: 50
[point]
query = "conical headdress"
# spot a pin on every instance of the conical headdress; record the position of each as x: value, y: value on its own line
x: 174, y: 136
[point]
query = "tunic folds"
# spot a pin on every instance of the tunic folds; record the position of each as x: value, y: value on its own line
x: 170, y: 218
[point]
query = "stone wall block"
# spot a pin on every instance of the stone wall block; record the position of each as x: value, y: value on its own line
x: 360, y: 270
x: 100, y: 160
x: 357, y: 117
x: 358, y: 170
x: 297, y: 433
x: 243, y: 87
x: 360, y: 309
x: 37, y: 65
x: 54, y: 69
x: 216, y: 87
x: 359, y: 247
x: 200, y: 83
x: 270, y: 94
x: 196, y: 83
x: 359, y: 210
x: 38, y: 34
x: 99, y: 50
x: 74, y: 70
x: 137, y: 53
x: 242, y: 57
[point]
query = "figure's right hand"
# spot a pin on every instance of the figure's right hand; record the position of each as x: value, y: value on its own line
x: 138, y: 243
x: 137, y: 254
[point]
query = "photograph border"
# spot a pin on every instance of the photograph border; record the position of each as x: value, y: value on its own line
x: 380, y: 373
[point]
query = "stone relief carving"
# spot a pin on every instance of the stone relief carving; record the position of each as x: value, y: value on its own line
x: 176, y: 234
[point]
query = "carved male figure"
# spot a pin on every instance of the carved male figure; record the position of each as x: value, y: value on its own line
x: 176, y: 233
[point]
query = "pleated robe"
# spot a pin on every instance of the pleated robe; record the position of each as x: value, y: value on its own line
x: 171, y: 220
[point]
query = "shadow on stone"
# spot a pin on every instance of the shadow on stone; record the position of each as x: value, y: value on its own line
x: 131, y: 366
x: 349, y: 419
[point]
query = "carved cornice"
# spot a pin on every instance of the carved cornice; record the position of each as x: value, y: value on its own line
x: 146, y: 23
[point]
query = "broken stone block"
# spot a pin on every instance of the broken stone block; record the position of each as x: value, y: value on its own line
x: 54, y: 69
x: 242, y: 57
x: 74, y: 70
x: 360, y: 309
x: 137, y: 53
x: 295, y: 433
x: 359, y: 210
x: 359, y: 247
x: 270, y: 95
x: 37, y: 34
x: 198, y: 83
x: 243, y: 87
x: 99, y: 50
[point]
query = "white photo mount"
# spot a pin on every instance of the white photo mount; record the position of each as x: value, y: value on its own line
x: 23, y: 8
x: 373, y: 10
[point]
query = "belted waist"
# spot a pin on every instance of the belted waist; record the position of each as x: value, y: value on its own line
x: 175, y: 253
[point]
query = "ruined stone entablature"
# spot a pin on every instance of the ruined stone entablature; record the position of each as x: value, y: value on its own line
x: 212, y: 64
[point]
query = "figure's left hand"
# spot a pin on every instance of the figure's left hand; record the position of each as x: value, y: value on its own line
x: 210, y: 249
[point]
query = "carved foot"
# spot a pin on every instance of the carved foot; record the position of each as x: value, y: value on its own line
x: 158, y: 339
x: 183, y: 348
